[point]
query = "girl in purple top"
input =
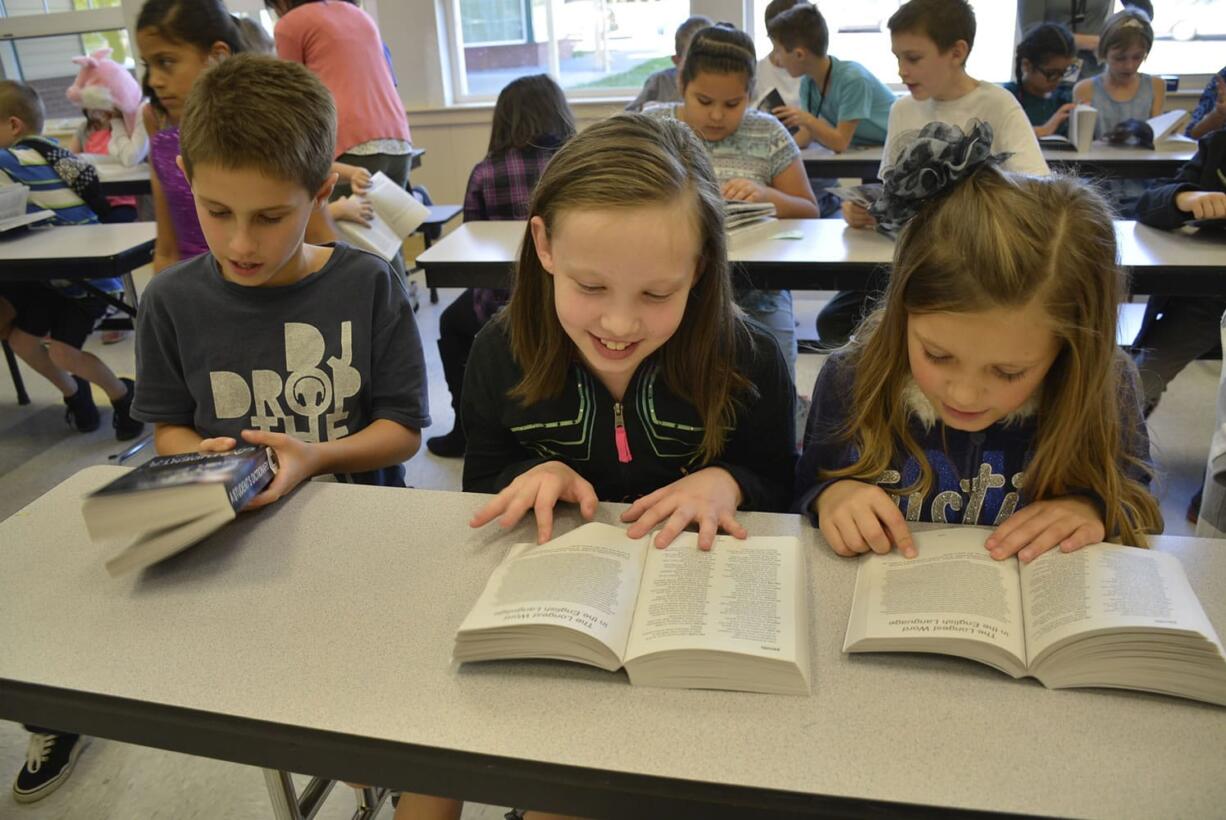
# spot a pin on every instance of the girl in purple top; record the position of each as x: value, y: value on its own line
x: 178, y: 39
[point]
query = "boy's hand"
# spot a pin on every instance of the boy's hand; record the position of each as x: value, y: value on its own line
x: 1050, y: 127
x: 354, y: 209
x: 220, y: 444
x: 1070, y: 523
x: 709, y: 496
x: 539, y: 489
x: 744, y: 190
x: 858, y: 216
x: 794, y: 117
x: 1202, y: 204
x: 296, y: 462
x: 856, y: 517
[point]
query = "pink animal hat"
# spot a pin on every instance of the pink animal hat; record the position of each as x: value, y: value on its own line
x: 105, y: 85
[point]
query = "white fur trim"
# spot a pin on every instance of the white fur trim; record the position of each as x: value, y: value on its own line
x: 918, y: 406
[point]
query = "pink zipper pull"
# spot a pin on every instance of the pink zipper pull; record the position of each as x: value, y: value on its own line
x: 619, y: 434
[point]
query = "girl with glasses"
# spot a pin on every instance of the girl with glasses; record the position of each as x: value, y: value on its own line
x: 1045, y: 57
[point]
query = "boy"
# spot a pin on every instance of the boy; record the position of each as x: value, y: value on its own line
x: 311, y: 350
x: 662, y: 85
x: 841, y: 102
x: 932, y: 40
x: 771, y: 76
x: 65, y: 311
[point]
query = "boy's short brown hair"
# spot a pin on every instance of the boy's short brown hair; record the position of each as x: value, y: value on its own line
x: 944, y: 22
x: 687, y: 30
x: 21, y: 101
x: 776, y: 7
x: 254, y: 111
x: 801, y: 27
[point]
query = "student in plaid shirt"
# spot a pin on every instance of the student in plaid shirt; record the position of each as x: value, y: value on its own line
x: 531, y: 122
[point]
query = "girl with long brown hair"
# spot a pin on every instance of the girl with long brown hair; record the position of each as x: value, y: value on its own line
x: 987, y: 388
x: 621, y: 370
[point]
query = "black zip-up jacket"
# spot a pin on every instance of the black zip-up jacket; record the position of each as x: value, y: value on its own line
x: 662, y: 430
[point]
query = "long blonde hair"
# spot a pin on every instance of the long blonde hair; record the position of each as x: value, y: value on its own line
x: 998, y: 241
x: 629, y: 161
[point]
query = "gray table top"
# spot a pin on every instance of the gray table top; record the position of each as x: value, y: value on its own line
x: 76, y: 242
x: 336, y: 609
x: 825, y: 242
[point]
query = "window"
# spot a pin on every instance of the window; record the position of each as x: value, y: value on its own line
x: 858, y: 31
x: 49, y: 33
x: 593, y: 47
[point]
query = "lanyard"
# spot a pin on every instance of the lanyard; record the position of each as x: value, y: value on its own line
x: 825, y: 87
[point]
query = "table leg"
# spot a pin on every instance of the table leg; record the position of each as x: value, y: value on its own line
x: 286, y: 805
x: 20, y: 386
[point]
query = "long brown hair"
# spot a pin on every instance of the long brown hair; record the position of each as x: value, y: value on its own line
x: 629, y: 161
x: 999, y: 241
x: 529, y: 109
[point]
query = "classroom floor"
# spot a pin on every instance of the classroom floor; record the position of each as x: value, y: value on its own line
x: 116, y: 780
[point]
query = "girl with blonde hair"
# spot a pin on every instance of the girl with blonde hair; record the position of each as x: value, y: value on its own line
x: 987, y: 387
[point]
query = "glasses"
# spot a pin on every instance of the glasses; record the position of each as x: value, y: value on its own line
x: 1055, y: 75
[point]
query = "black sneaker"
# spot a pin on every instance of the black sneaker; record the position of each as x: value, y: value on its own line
x: 448, y: 446
x: 82, y: 413
x: 125, y: 426
x: 49, y: 761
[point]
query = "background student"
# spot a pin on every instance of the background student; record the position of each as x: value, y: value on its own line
x: 987, y: 389
x: 65, y: 311
x: 772, y: 77
x: 178, y: 39
x: 1210, y: 112
x: 1178, y: 329
x: 662, y: 86
x: 841, y: 103
x: 329, y: 371
x: 531, y: 122
x: 932, y: 40
x: 1085, y: 18
x: 621, y: 370
x: 340, y: 43
x: 1042, y: 61
x: 1122, y: 92
x: 754, y: 157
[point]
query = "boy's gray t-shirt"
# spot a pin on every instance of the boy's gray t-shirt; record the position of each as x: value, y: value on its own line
x: 320, y: 359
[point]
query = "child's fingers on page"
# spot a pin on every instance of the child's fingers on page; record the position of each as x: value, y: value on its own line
x: 871, y: 531
x: 519, y: 504
x: 546, y: 498
x: 834, y: 538
x: 1091, y: 532
x: 727, y: 520
x: 585, y: 495
x: 489, y: 511
x: 708, y: 528
x: 651, y: 516
x: 681, y: 516
x: 1011, y: 524
x: 853, y: 539
x: 1057, y: 529
x: 895, y: 524
x: 641, y: 505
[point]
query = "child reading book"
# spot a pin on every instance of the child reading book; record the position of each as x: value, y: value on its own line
x: 987, y: 387
x: 1042, y: 61
x: 842, y: 103
x: 754, y: 157
x: 621, y: 370
x: 329, y: 372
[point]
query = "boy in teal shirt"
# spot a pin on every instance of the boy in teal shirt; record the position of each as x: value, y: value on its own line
x: 842, y: 103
